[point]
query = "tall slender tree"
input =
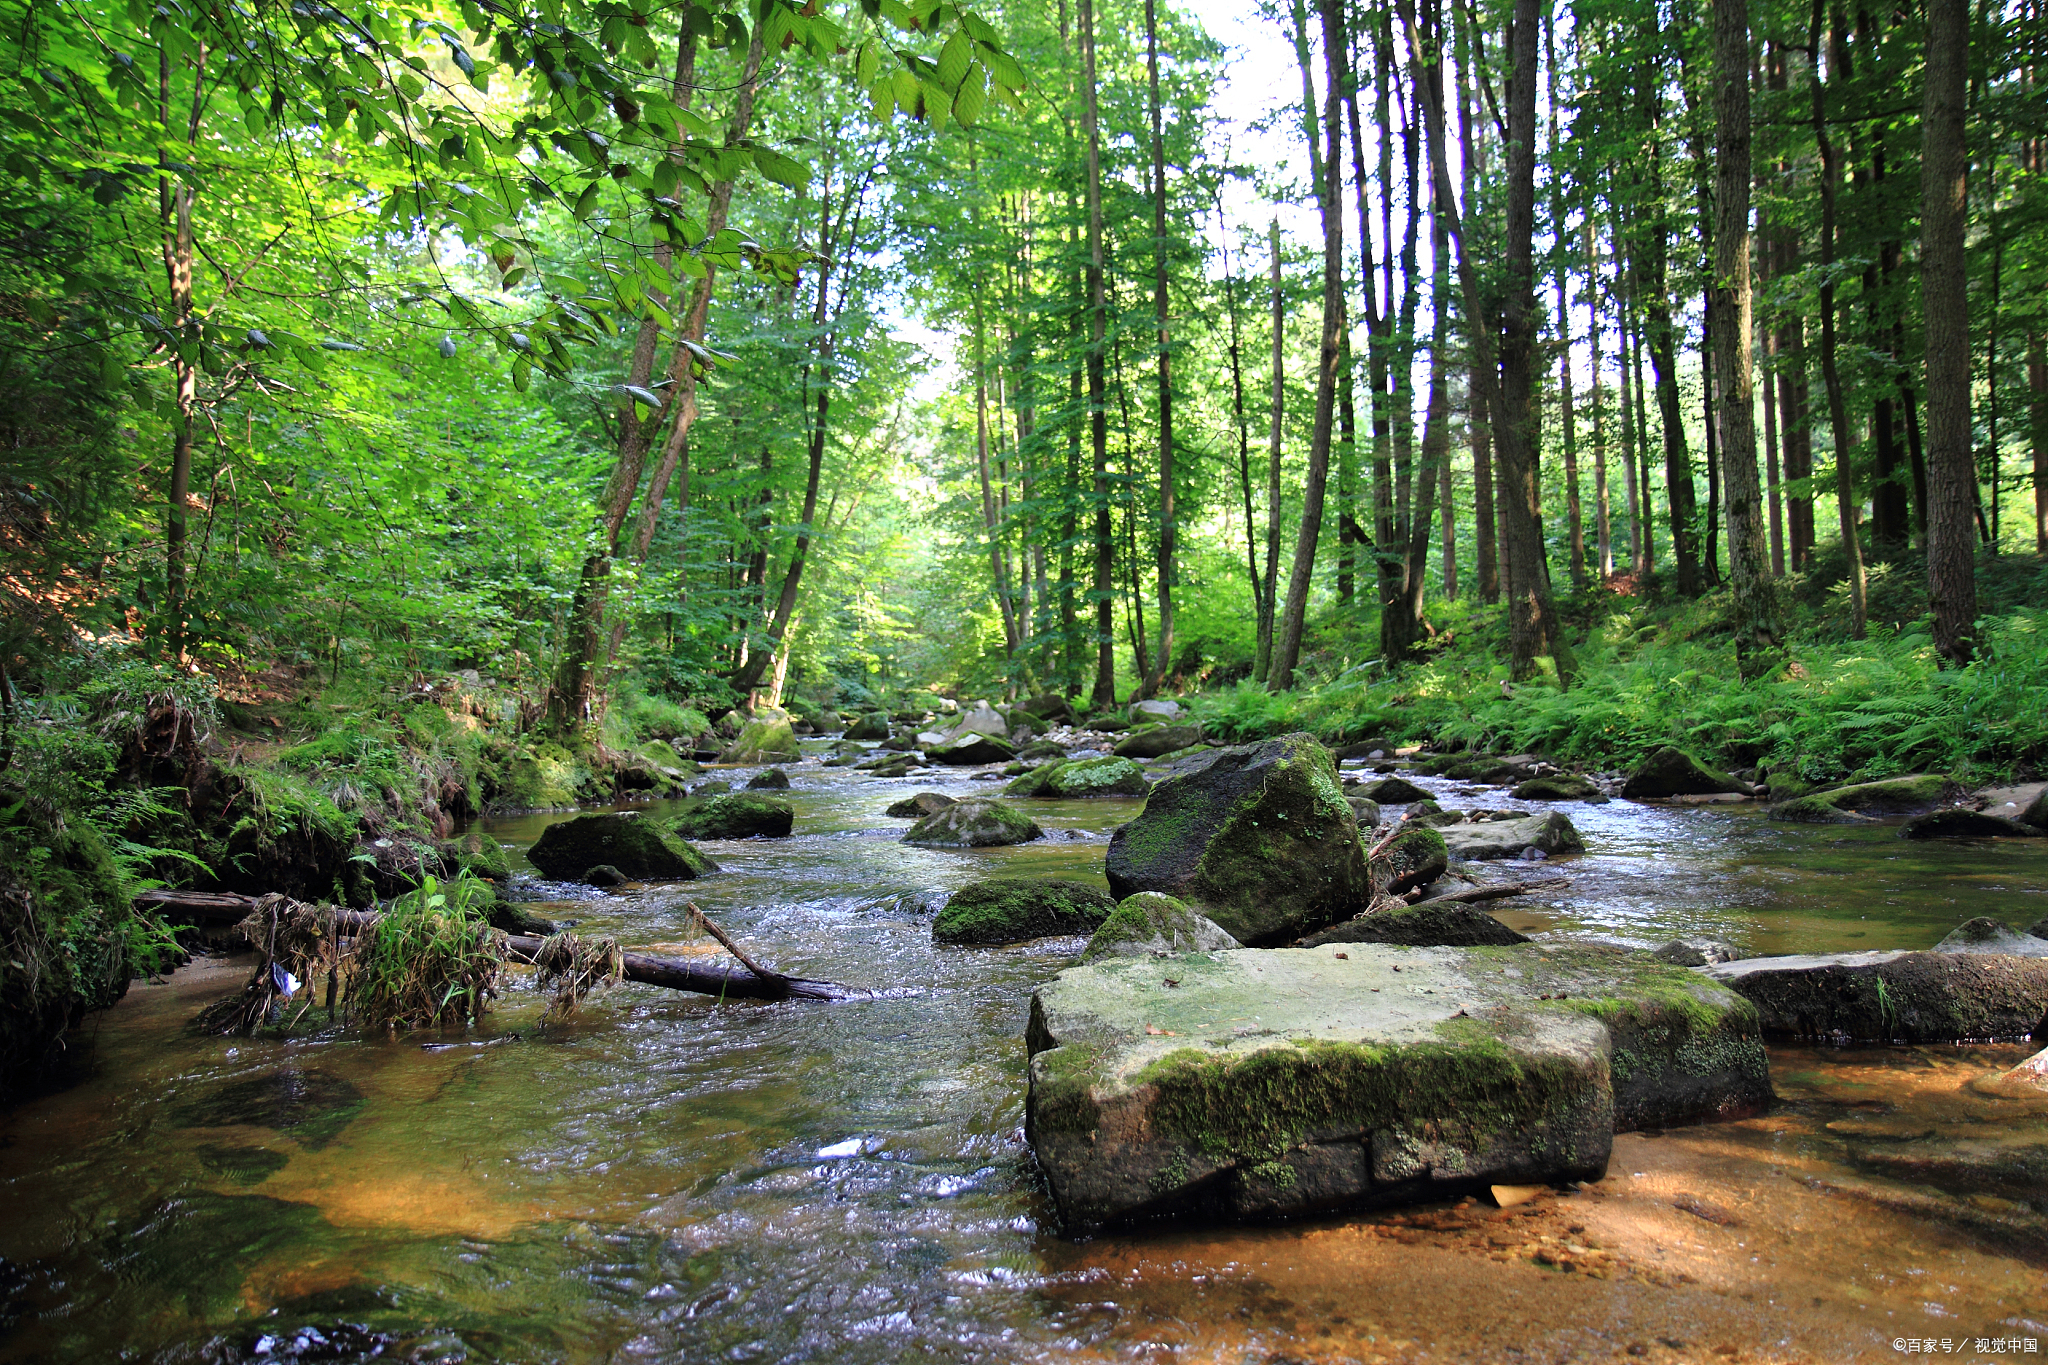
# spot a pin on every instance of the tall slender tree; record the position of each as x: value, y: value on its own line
x: 1944, y: 286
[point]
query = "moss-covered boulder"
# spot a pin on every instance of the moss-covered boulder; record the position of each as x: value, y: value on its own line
x: 1484, y: 768
x: 604, y: 876
x: 1157, y: 741
x: 1551, y: 833
x: 1847, y: 805
x: 1013, y: 909
x: 1365, y: 810
x: 765, y: 737
x: 1557, y: 787
x: 974, y: 823
x: 1697, y: 952
x: 736, y: 815
x: 894, y: 765
x: 1957, y: 823
x: 1080, y: 778
x: 769, y: 780
x: 1430, y: 924
x: 1048, y: 708
x: 1671, y: 771
x: 1106, y: 723
x: 1261, y: 841
x: 872, y: 726
x: 971, y: 750
x: 1151, y: 924
x: 1892, y: 996
x: 1259, y: 1084
x: 637, y: 845
x: 918, y: 806
x: 1042, y: 751
x: 1392, y: 791
x: 1413, y: 858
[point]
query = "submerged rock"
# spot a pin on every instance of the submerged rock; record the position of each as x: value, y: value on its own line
x: 1697, y: 952
x: 976, y: 822
x: 737, y: 815
x: 1152, y: 924
x: 1415, y: 857
x: 1956, y: 823
x: 972, y: 750
x: 1261, y: 841
x: 1945, y: 997
x: 765, y: 738
x: 769, y: 780
x: 1986, y: 935
x: 1082, y: 777
x: 640, y: 848
x: 514, y: 918
x: 1562, y: 787
x: 1013, y: 909
x: 1260, y: 1084
x: 604, y: 876
x: 1429, y: 924
x: 894, y: 765
x: 1673, y: 772
x: 918, y: 806
x: 1550, y: 834
x: 1157, y: 741
x: 1392, y: 791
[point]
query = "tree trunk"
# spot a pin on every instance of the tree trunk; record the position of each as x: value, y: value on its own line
x: 2037, y: 424
x: 1406, y: 613
x: 1757, y: 624
x: 1287, y: 647
x: 1164, y: 655
x: 1603, y: 526
x: 1478, y: 423
x: 1244, y: 447
x: 174, y: 212
x: 1103, y: 695
x: 1574, y: 515
x: 1831, y: 378
x: 1269, y: 614
x: 1531, y: 620
x: 1944, y: 284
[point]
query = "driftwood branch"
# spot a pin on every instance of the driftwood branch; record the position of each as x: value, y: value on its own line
x: 729, y: 945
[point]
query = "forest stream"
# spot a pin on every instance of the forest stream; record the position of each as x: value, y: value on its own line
x: 673, y: 1178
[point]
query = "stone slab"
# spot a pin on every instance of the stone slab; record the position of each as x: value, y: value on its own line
x: 1936, y: 997
x: 1256, y: 1084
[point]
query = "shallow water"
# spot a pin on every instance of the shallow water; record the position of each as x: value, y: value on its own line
x: 668, y: 1178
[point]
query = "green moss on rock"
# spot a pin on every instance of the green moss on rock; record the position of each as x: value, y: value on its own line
x: 1561, y: 787
x: 639, y: 846
x: 736, y: 815
x: 766, y: 737
x: 1260, y: 840
x: 1082, y: 778
x: 974, y: 823
x: 1415, y: 857
x: 1013, y: 909
x: 1154, y: 924
x: 1671, y: 771
x: 1846, y: 805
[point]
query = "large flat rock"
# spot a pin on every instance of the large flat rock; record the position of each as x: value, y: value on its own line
x: 1549, y: 832
x: 1270, y: 1083
x: 1937, y: 997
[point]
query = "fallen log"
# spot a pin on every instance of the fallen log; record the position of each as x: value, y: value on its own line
x: 748, y: 982
x: 1494, y: 893
x: 207, y: 907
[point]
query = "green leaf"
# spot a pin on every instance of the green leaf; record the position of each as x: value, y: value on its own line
x: 953, y: 61
x: 782, y: 170
x: 868, y: 63
x: 522, y: 375
x: 973, y: 94
x: 586, y: 202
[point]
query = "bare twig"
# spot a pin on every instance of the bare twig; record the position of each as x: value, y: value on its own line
x: 756, y: 968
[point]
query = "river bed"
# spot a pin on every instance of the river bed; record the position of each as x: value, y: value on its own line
x: 668, y: 1178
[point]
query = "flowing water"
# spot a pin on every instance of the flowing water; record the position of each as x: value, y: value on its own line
x: 669, y: 1178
